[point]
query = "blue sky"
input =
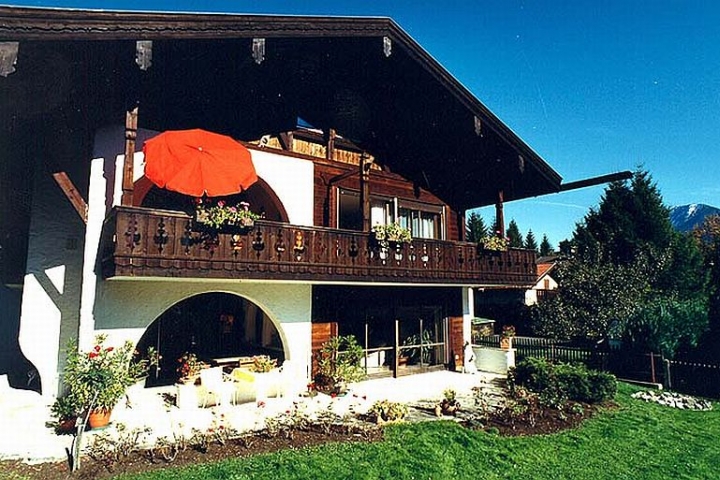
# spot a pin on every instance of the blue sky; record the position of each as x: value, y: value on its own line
x: 593, y: 87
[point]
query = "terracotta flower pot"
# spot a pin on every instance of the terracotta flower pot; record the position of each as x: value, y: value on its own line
x: 99, y: 418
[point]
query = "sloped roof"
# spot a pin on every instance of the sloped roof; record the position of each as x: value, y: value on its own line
x: 402, y: 106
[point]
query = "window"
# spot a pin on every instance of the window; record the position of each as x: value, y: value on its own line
x: 423, y: 220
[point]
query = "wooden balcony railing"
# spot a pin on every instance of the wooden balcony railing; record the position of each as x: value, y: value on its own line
x: 140, y: 242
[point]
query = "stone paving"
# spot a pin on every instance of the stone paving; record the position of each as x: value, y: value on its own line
x: 25, y: 436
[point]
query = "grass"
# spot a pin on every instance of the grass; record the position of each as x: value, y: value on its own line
x: 639, y: 440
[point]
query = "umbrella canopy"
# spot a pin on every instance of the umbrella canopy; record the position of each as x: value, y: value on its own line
x: 197, y: 162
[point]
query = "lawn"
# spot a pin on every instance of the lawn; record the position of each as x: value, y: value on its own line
x: 637, y: 441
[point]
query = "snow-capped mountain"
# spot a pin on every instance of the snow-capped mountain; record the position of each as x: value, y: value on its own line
x: 686, y: 217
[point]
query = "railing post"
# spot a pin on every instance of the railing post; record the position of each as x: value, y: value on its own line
x: 397, y: 347
x: 652, y: 367
x: 668, y: 379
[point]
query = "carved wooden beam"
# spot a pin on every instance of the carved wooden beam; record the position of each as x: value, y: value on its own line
x: 128, y: 184
x: 365, y: 163
x: 68, y: 188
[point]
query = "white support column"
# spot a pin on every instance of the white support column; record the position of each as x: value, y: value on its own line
x: 468, y: 299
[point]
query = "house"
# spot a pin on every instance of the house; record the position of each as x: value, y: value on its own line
x: 507, y: 304
x: 350, y: 123
x: 546, y: 285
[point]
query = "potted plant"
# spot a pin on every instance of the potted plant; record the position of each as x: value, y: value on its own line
x: 263, y: 364
x: 391, y: 235
x: 189, y: 368
x: 220, y: 215
x: 449, y: 405
x: 65, y: 410
x: 97, y: 380
x: 494, y: 244
x: 339, y: 364
x: 508, y: 332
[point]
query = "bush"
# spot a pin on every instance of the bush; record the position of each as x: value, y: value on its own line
x: 385, y: 410
x: 557, y: 383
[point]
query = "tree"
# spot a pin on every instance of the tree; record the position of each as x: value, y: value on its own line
x: 707, y: 238
x: 545, y: 247
x: 593, y: 302
x: 666, y: 324
x: 530, y: 242
x: 623, y: 258
x: 514, y: 236
x: 629, y: 220
x: 475, y: 228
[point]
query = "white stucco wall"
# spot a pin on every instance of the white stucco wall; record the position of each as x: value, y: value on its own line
x: 292, y: 180
x: 49, y: 313
x: 531, y: 297
x: 124, y: 308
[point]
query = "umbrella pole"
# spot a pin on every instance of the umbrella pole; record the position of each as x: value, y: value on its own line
x: 128, y: 184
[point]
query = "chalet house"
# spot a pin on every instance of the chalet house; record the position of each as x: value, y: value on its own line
x: 350, y: 123
x: 545, y: 286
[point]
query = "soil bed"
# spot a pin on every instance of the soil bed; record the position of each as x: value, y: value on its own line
x: 545, y: 422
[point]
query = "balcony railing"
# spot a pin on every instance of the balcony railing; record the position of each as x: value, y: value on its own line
x: 140, y: 242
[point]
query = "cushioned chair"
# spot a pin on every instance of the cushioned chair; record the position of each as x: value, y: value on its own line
x: 215, y: 386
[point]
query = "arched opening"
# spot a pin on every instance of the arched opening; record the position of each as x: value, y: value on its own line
x: 215, y: 327
x: 260, y: 196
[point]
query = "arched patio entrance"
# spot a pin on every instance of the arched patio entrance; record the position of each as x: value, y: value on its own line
x: 213, y: 326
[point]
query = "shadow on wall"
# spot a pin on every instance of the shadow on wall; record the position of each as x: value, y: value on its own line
x: 21, y: 372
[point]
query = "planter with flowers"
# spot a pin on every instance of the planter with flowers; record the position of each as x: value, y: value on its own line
x: 508, y: 332
x: 189, y: 368
x: 97, y: 380
x: 391, y: 237
x: 219, y: 216
x: 494, y: 245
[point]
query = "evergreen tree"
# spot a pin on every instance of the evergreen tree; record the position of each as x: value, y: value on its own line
x: 545, y: 247
x: 514, y: 236
x: 475, y: 228
x: 626, y: 263
x: 631, y: 220
x: 530, y: 242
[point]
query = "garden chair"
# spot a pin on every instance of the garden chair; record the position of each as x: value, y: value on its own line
x: 213, y: 381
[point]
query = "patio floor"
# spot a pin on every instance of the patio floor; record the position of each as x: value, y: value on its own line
x: 26, y: 437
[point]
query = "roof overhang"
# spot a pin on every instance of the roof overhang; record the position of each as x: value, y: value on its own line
x: 365, y: 77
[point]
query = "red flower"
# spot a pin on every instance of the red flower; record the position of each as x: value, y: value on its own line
x: 92, y: 354
x: 109, y: 349
x: 333, y: 395
x: 97, y: 348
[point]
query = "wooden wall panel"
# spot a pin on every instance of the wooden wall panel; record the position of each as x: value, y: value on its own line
x: 321, y: 333
x: 456, y: 341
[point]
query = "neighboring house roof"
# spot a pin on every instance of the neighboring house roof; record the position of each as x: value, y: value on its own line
x: 544, y: 267
x: 365, y: 77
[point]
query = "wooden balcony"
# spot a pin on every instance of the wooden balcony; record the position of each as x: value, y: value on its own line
x: 140, y: 242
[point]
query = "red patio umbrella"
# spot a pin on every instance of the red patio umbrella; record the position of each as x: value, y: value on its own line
x: 197, y: 162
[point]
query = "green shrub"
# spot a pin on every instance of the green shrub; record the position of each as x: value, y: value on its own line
x: 385, y: 410
x: 557, y: 383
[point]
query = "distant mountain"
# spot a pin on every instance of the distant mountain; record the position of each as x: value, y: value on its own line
x: 686, y: 217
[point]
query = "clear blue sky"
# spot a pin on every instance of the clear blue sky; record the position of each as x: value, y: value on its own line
x: 593, y: 87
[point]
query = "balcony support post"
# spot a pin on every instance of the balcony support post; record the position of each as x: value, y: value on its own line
x: 365, y: 163
x: 128, y: 183
x: 499, y: 215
